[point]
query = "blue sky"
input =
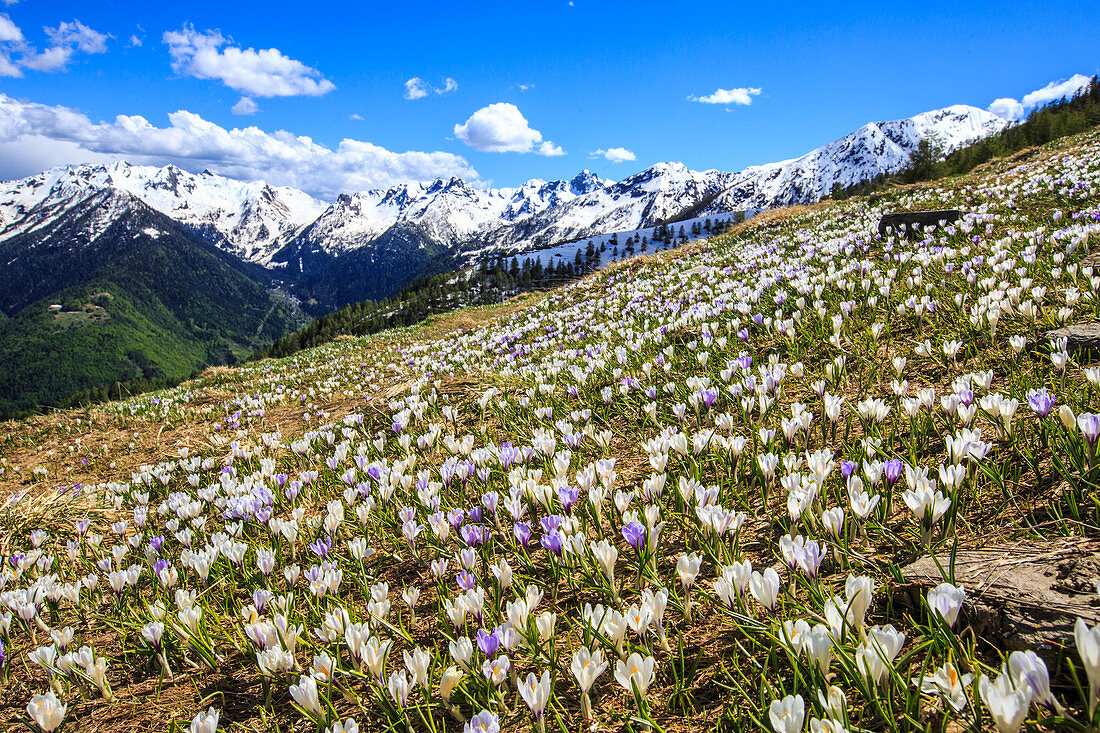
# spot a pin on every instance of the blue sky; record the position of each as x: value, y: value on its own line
x: 537, y: 89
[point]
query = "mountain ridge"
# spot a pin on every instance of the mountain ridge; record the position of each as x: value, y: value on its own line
x: 270, y: 225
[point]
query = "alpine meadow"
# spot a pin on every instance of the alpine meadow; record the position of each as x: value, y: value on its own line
x: 335, y: 399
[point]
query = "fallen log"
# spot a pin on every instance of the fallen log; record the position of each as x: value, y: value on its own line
x: 1019, y: 596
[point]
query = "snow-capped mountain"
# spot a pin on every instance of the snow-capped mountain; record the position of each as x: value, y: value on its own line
x: 371, y: 243
x: 872, y: 150
x: 644, y: 199
x: 450, y: 213
x: 249, y: 219
x: 539, y: 214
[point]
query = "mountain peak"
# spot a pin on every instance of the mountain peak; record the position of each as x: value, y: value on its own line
x: 584, y: 182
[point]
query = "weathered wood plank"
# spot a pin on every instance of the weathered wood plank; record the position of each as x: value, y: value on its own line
x: 1023, y: 596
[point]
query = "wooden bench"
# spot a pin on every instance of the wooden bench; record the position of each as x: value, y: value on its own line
x: 907, y: 220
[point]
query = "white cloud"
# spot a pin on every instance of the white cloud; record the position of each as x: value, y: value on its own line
x: 65, y: 40
x: 1056, y: 90
x: 9, y: 31
x: 77, y: 35
x: 52, y: 59
x: 134, y: 41
x: 740, y: 95
x: 8, y: 67
x: 245, y: 106
x: 1007, y: 108
x: 502, y: 128
x: 615, y: 155
x: 550, y: 150
x: 1011, y: 109
x: 417, y: 88
x: 263, y: 73
x: 355, y: 116
x: 37, y: 136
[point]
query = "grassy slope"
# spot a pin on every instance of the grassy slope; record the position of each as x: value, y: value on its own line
x: 741, y: 667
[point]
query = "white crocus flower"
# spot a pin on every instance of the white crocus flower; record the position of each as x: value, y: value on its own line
x: 47, y: 711
x: 535, y: 691
x: 305, y: 694
x: 946, y: 600
x: 205, y: 722
x: 1007, y: 706
x: 635, y: 671
x: 788, y: 714
x: 1088, y: 647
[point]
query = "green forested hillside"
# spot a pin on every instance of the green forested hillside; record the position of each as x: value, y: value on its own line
x: 144, y: 300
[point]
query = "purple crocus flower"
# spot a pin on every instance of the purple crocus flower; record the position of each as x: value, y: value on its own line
x: 550, y: 522
x: 322, y: 546
x: 522, y: 531
x: 635, y: 535
x: 455, y: 517
x: 473, y: 534
x: 966, y: 397
x: 488, y: 643
x: 466, y: 580
x: 1041, y: 401
x: 490, y: 500
x: 847, y: 468
x: 552, y: 542
x: 507, y: 454
x: 892, y: 471
x: 475, y: 514
x: 568, y: 496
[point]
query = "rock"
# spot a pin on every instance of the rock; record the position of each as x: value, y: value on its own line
x: 1081, y: 338
x: 908, y: 219
x: 1021, y: 596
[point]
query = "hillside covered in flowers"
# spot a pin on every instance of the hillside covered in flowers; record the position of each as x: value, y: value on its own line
x: 680, y: 492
